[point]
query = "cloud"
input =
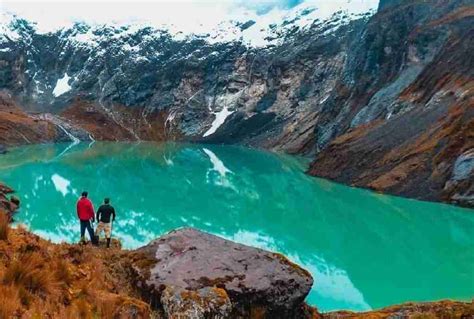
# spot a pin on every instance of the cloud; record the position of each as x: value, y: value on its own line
x: 185, y: 15
x: 263, y: 7
x: 51, y: 15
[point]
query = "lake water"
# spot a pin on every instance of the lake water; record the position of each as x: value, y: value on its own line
x: 365, y: 250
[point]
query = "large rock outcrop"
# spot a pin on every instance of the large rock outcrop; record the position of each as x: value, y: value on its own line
x: 192, y: 272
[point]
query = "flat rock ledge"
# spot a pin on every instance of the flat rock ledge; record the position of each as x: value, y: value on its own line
x: 192, y: 274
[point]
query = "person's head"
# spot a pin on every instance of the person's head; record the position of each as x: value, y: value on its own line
x: 84, y: 194
x: 106, y: 200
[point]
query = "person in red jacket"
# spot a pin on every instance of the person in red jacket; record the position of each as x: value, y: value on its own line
x: 85, y: 213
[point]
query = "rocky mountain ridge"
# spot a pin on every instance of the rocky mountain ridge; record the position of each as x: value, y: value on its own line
x: 382, y: 100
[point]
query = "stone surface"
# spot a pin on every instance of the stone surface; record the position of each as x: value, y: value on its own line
x: 15, y: 200
x: 460, y: 187
x: 5, y: 189
x: 8, y: 204
x: 255, y: 280
x: 413, y: 144
x: 464, y: 166
x: 194, y: 304
x: 411, y: 310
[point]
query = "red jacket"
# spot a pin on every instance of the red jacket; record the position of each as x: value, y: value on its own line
x: 85, y: 209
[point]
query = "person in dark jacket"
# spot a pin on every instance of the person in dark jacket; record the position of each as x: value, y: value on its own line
x: 85, y: 213
x: 105, y: 217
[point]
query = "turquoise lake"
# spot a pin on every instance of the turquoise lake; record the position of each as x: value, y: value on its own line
x: 365, y: 250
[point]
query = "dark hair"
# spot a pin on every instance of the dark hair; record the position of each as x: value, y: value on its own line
x: 84, y: 194
x: 106, y: 200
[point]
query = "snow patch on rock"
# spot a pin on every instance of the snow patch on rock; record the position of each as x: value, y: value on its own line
x: 221, y: 116
x: 62, y: 86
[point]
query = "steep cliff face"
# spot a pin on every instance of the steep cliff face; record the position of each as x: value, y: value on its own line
x: 416, y: 138
x: 151, y: 84
x: 309, y: 86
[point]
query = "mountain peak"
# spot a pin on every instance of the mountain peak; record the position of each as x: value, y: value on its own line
x: 250, y: 29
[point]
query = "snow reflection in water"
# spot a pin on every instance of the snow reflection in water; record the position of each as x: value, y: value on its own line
x: 342, y: 235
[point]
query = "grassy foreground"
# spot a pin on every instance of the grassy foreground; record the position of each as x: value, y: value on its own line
x: 40, y: 279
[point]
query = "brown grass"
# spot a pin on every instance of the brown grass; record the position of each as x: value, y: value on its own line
x: 82, y: 309
x: 63, y: 272
x: 9, y: 301
x: 106, y: 309
x: 4, y: 227
x: 39, y: 279
x: 28, y: 272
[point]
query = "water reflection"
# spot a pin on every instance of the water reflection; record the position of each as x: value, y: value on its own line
x: 218, y: 167
x: 355, y: 243
x: 61, y: 184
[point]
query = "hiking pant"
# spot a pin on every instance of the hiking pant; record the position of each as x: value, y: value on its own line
x: 105, y: 227
x: 86, y: 224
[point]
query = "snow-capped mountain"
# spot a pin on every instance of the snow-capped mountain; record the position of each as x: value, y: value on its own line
x: 294, y: 80
x: 246, y: 27
x: 141, y: 44
x: 103, y: 62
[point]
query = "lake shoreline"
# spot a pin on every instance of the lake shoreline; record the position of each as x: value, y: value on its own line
x: 121, y: 263
x: 314, y: 169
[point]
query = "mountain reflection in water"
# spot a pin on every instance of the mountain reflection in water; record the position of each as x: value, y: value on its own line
x: 365, y: 250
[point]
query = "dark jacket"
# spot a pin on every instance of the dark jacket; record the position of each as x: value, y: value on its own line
x: 85, y: 209
x: 104, y: 212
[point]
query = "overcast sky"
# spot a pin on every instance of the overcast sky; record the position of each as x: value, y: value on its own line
x: 185, y: 15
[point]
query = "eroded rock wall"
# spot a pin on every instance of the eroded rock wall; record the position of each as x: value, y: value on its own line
x: 421, y: 147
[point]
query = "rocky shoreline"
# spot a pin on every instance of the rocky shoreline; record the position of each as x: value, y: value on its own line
x: 183, y: 274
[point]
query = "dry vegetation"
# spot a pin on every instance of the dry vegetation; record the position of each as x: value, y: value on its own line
x: 39, y: 279
x: 3, y: 225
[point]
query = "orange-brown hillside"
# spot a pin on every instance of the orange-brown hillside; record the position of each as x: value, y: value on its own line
x: 17, y: 127
x: 39, y: 279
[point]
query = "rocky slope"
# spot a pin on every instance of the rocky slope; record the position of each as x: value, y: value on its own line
x: 423, y: 148
x: 8, y: 203
x: 382, y: 99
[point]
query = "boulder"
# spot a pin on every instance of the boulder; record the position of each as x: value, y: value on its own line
x: 258, y: 283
